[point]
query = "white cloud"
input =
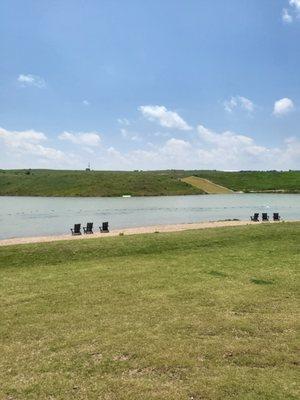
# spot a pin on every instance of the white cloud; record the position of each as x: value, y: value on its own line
x: 89, y: 139
x: 31, y: 80
x: 229, y: 150
x: 226, y: 151
x: 130, y: 135
x: 16, y: 138
x: 295, y: 3
x: 225, y: 139
x: 175, y: 148
x: 230, y: 141
x: 28, y: 142
x: 246, y: 104
x: 286, y: 16
x: 115, y: 157
x: 124, y: 133
x: 229, y: 105
x: 205, y: 149
x: 86, y: 103
x: 173, y: 153
x: 123, y: 121
x: 166, y: 118
x: 283, y: 106
x: 292, y: 151
x: 238, y: 102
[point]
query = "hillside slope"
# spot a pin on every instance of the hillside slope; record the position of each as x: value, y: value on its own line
x: 254, y: 181
x: 93, y: 183
x: 138, y: 183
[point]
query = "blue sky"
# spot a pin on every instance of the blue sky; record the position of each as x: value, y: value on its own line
x: 150, y: 84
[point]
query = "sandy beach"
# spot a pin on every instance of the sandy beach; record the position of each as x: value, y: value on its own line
x: 128, y: 231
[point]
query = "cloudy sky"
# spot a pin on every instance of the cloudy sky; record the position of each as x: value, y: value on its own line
x: 150, y: 84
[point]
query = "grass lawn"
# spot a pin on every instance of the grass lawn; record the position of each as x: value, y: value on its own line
x: 208, y: 314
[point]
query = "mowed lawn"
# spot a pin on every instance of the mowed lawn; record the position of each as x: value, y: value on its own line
x: 208, y: 314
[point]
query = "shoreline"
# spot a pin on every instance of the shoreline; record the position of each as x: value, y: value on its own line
x: 276, y: 191
x: 131, y: 231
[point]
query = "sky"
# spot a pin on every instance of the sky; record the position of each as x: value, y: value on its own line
x: 152, y: 84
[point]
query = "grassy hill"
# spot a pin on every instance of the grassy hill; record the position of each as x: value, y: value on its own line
x: 139, y: 183
x: 255, y: 181
x: 208, y: 314
x: 93, y: 183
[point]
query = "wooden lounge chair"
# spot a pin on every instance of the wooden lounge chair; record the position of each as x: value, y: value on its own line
x: 104, y: 227
x: 255, y: 217
x: 264, y: 217
x: 76, y: 230
x: 276, y: 217
x: 88, y: 228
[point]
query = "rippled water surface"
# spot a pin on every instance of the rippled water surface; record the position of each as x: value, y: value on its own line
x: 35, y: 216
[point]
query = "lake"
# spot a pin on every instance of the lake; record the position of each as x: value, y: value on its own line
x: 37, y: 216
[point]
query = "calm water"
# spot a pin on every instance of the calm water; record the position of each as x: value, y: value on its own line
x: 35, y: 216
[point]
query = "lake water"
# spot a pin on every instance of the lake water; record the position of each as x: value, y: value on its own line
x: 37, y: 216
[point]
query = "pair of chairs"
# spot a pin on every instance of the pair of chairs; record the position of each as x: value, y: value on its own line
x: 265, y: 217
x: 88, y: 229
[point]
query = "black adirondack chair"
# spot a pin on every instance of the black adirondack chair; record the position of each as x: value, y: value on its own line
x: 88, y: 228
x: 276, y: 217
x: 255, y: 217
x: 104, y: 228
x: 264, y: 217
x: 76, y: 230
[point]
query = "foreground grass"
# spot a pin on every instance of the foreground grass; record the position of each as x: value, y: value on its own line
x: 206, y: 314
x: 139, y: 183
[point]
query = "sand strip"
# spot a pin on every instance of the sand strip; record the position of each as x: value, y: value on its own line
x: 129, y: 231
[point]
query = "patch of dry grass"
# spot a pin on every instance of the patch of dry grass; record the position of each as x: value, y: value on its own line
x: 206, y: 185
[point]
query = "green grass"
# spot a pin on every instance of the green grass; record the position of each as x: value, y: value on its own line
x: 208, y: 314
x: 256, y: 181
x: 143, y: 183
x: 93, y: 183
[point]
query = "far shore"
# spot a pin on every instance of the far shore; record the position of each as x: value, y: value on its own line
x: 57, y: 196
x: 91, y: 183
x: 131, y: 231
